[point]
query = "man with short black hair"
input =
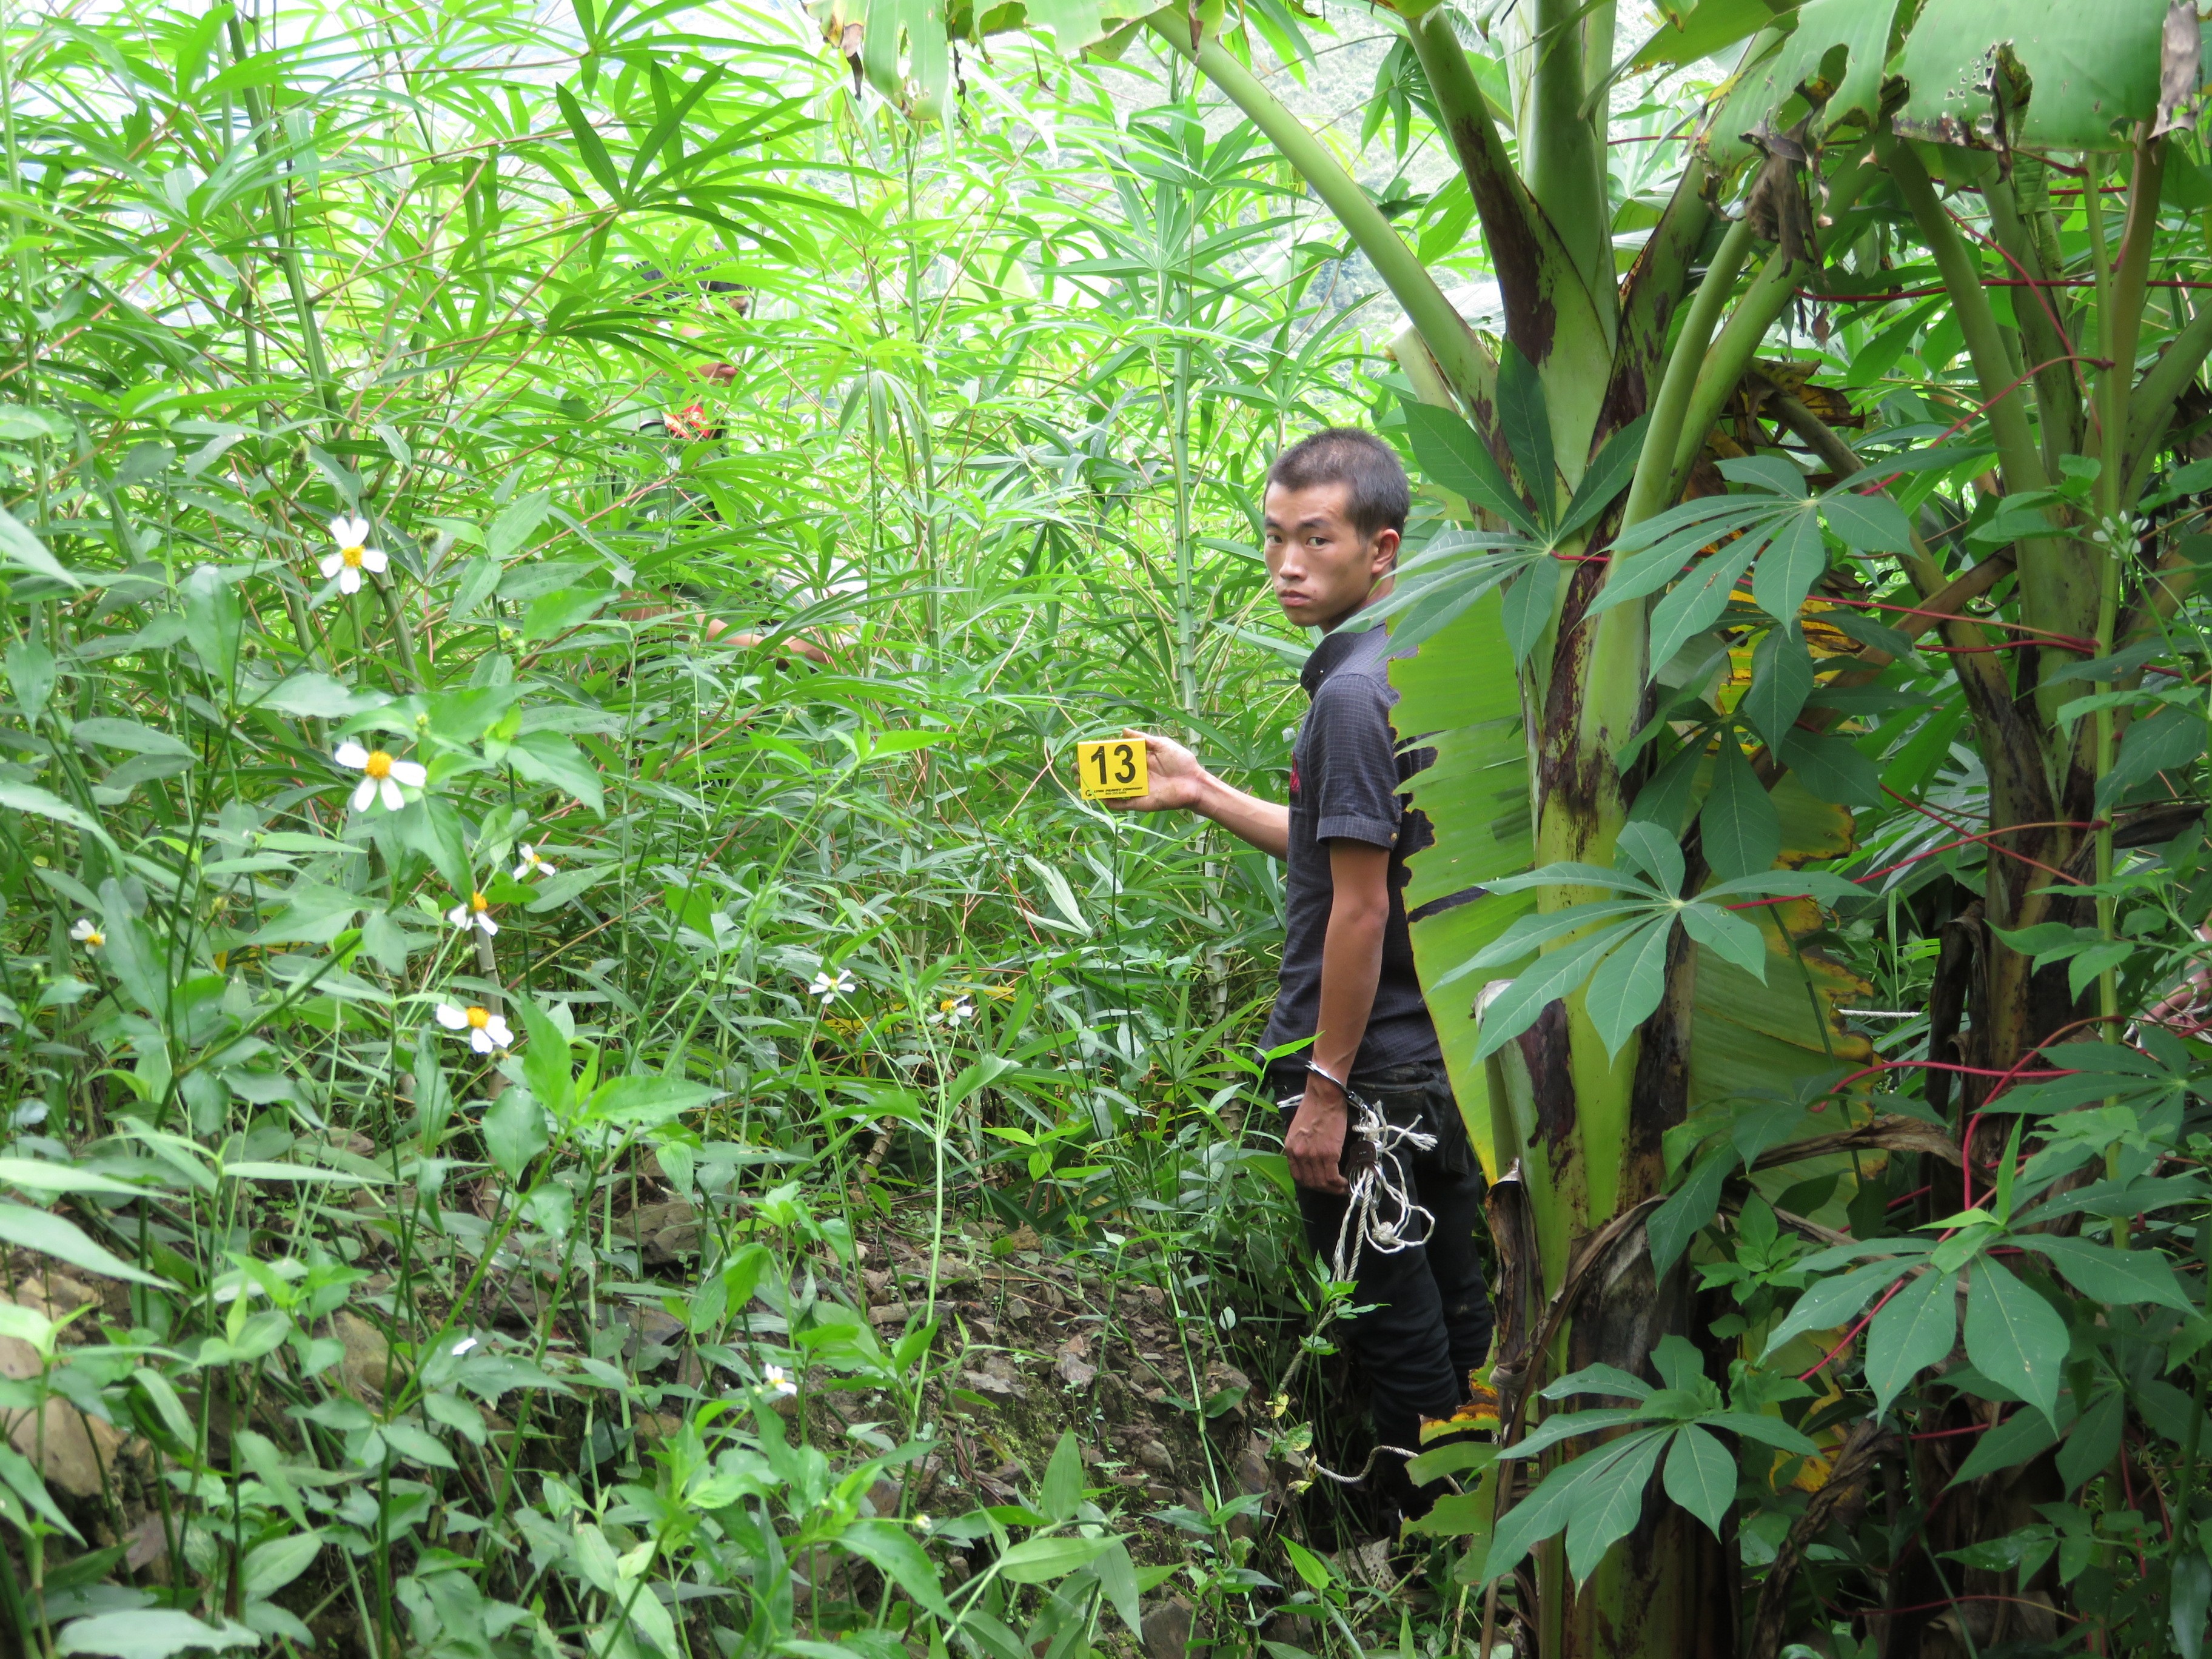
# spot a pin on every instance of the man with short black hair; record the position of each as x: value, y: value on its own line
x: 1333, y: 514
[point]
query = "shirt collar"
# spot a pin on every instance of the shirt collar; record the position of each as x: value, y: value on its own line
x: 1334, y: 650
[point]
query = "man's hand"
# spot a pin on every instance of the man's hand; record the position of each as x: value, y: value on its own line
x: 1179, y: 783
x: 1315, y: 1141
x: 1177, y: 780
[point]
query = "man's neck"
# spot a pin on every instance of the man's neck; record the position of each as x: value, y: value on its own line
x: 1376, y: 595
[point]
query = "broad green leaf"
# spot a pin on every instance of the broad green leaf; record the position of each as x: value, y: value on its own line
x: 1452, y: 453
x: 2191, y: 1592
x: 1529, y: 599
x: 1606, y: 1510
x: 2094, y: 1441
x: 1650, y: 849
x: 515, y: 1131
x: 1689, y: 1208
x: 546, y: 1067
x: 1518, y: 1007
x: 1543, y: 1512
x: 1307, y: 1566
x: 1771, y: 473
x: 1062, y: 1491
x: 1828, y: 1302
x: 1697, y: 602
x: 1780, y: 681
x: 212, y: 621
x: 1916, y: 1330
x: 1595, y: 1379
x: 1044, y: 1560
x: 108, y: 732
x: 2013, y: 1337
x: 1524, y: 418
x: 548, y: 757
x: 1628, y: 984
x: 1733, y: 936
x: 639, y: 1102
x: 20, y: 548
x: 64, y: 1241
x: 1608, y: 475
x: 1831, y: 768
x: 1867, y: 523
x: 36, y: 1175
x: 2115, y: 1278
x: 1794, y: 560
x: 2013, y: 1442
x: 1117, y: 1576
x: 1741, y: 832
x: 1686, y: 34
x: 1701, y: 1475
x: 1571, y: 1425
x: 892, y: 1551
x: 1853, y: 33
x: 2089, y: 72
x: 150, y: 1633
x: 272, y: 1565
x: 2170, y: 739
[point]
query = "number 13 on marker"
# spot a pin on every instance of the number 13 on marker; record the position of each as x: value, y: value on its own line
x: 1111, y: 770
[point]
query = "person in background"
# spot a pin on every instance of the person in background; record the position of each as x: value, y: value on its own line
x: 1333, y: 513
x: 693, y: 423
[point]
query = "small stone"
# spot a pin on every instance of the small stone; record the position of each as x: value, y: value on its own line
x: 1154, y: 1457
x: 1167, y: 1629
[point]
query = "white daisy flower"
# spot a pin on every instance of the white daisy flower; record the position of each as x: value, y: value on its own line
x: 777, y: 1381
x: 85, y: 933
x: 529, y: 862
x: 385, y: 774
x: 486, y: 1029
x: 826, y: 986
x: 475, y: 913
x: 352, y: 555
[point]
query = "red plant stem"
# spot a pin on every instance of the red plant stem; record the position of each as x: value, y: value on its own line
x: 1986, y: 404
x: 1944, y: 616
x: 1946, y: 1434
x: 1966, y: 840
x: 1929, y: 1606
x: 1997, y: 846
x: 2084, y: 647
x: 1900, y: 1203
x: 1863, y: 1322
x: 2020, y: 272
x: 1987, y: 282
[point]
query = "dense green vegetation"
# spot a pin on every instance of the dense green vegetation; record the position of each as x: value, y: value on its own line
x: 579, y: 1082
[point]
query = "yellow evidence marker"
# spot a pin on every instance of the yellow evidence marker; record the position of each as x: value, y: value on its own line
x: 1113, y: 770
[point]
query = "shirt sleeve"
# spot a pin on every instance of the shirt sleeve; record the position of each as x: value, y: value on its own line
x: 1356, y: 793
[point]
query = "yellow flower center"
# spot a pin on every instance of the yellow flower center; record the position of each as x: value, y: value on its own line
x: 95, y: 937
x: 478, y: 901
x: 378, y: 765
x: 352, y: 556
x: 479, y: 1018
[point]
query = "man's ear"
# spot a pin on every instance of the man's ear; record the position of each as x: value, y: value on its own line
x: 1386, y: 552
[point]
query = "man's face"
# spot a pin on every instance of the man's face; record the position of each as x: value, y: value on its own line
x: 1324, y: 568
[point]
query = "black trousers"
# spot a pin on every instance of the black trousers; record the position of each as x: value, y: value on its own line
x: 1429, y: 1320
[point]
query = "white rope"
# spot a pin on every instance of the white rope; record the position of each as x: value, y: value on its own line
x: 1379, y: 1212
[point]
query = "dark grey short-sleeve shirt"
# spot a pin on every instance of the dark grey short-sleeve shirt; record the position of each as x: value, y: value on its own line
x: 1348, y: 782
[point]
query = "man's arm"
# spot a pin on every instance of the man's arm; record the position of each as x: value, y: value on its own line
x: 1179, y: 783
x: 1350, y: 968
